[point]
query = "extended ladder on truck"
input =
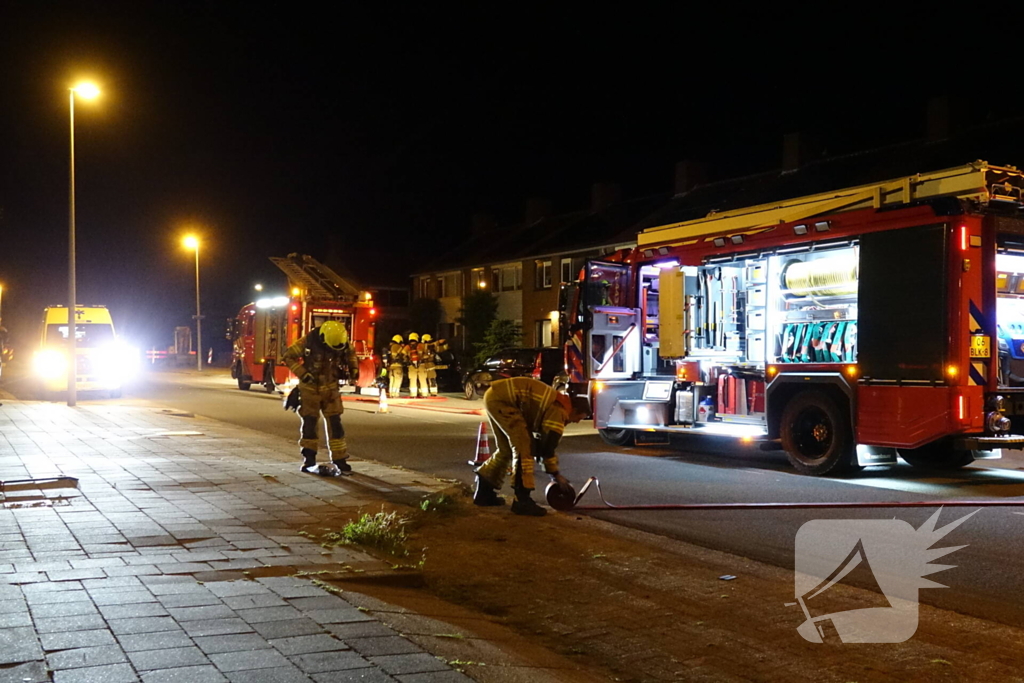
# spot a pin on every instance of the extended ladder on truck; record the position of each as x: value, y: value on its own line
x: 978, y: 181
x: 319, y: 281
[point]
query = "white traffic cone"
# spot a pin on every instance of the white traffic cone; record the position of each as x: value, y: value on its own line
x: 483, y: 447
x: 382, y: 401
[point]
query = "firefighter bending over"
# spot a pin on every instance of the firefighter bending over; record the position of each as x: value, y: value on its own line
x: 319, y: 360
x: 527, y: 418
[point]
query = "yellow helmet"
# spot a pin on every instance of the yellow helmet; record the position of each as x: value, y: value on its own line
x: 397, y: 339
x: 414, y: 337
x: 427, y: 338
x: 333, y: 334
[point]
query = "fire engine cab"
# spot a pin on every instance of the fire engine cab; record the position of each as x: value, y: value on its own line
x: 264, y: 329
x: 846, y: 328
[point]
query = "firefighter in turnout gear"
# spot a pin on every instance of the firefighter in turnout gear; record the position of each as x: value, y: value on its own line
x: 527, y: 418
x: 428, y: 362
x: 397, y: 359
x: 320, y: 360
x: 417, y: 375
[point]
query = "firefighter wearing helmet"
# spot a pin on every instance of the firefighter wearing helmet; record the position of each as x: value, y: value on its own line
x: 320, y: 360
x: 417, y: 373
x: 397, y: 360
x: 527, y: 419
x: 428, y: 362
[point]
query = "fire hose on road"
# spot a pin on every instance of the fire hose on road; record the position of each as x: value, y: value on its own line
x: 566, y: 502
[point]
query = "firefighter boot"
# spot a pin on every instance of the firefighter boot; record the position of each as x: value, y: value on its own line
x: 309, y: 460
x: 525, y: 505
x: 342, y: 465
x: 485, y: 495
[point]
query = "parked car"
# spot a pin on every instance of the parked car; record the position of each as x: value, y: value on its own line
x: 544, y: 364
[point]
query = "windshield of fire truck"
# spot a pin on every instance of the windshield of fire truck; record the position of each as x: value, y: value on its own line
x: 608, y: 284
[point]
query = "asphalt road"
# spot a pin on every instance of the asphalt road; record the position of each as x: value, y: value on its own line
x: 984, y: 582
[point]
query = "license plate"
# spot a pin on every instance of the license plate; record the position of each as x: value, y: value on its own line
x: 980, y: 347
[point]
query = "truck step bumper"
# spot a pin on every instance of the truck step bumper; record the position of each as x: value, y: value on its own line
x: 988, y: 443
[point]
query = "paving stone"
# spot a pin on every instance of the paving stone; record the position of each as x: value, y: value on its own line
x: 287, y: 628
x: 14, y: 619
x: 232, y: 643
x: 387, y: 645
x: 445, y: 677
x: 160, y: 640
x: 85, y: 656
x: 183, y: 567
x: 288, y: 674
x: 121, y: 596
x: 301, y: 645
x: 190, y: 599
x: 254, y: 659
x: 288, y: 587
x: 75, y: 574
x: 267, y: 599
x: 112, y: 673
x: 63, y: 609
x: 360, y: 629
x: 142, y: 625
x: 338, y: 616
x: 232, y: 588
x: 409, y: 664
x: 203, y: 612
x: 215, y: 627
x: 319, y: 602
x: 131, y: 570
x: 185, y: 674
x: 259, y: 614
x: 30, y: 672
x: 169, y: 658
x: 19, y: 645
x: 70, y: 639
x: 50, y: 597
x: 142, y: 609
x: 319, y: 662
x: 80, y: 623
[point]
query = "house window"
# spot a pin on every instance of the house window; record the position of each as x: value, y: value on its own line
x: 512, y: 278
x: 424, y: 287
x: 477, y: 279
x: 542, y: 333
x: 567, y: 274
x: 440, y: 287
x: 542, y: 274
x: 449, y: 284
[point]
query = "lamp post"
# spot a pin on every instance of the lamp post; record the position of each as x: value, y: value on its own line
x: 87, y: 91
x: 192, y: 242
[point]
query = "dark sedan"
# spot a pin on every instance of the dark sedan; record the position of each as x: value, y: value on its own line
x: 544, y: 364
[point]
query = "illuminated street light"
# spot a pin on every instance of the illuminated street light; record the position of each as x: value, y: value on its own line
x: 87, y: 91
x: 192, y: 242
x: 259, y: 288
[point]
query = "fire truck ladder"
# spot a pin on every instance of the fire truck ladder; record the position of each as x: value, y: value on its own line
x: 318, y: 281
x: 977, y: 181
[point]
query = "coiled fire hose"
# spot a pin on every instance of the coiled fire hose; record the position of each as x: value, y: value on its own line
x: 565, y: 502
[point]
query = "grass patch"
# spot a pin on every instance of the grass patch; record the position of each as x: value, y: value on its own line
x: 441, y: 503
x: 382, y: 530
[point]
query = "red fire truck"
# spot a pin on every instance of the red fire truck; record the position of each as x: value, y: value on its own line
x: 845, y: 328
x: 264, y: 329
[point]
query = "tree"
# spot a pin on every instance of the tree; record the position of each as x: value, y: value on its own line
x: 501, y: 334
x: 479, y: 309
x: 425, y: 316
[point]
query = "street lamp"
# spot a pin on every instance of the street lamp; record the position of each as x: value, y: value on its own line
x: 192, y: 242
x: 87, y: 91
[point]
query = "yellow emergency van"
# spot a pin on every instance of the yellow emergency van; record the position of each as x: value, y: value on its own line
x: 103, y: 363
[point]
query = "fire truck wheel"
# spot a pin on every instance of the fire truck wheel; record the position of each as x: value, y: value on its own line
x: 244, y: 385
x: 616, y: 437
x: 816, y: 434
x: 938, y: 455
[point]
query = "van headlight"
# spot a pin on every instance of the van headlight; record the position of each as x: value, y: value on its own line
x: 51, y: 364
x: 116, y: 363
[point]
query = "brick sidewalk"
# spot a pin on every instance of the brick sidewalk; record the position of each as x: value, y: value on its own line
x: 174, y: 559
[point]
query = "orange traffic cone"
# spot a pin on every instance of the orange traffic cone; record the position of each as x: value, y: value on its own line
x: 382, y: 402
x: 483, y: 446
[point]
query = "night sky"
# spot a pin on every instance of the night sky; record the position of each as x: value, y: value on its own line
x: 276, y: 128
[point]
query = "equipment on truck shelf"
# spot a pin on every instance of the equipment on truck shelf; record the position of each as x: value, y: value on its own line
x: 846, y: 328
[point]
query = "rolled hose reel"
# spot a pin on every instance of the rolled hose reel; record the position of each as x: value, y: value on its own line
x: 835, y: 276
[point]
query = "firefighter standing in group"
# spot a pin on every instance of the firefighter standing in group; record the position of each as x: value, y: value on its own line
x: 527, y: 418
x: 428, y: 362
x: 320, y: 359
x: 396, y: 365
x: 417, y: 375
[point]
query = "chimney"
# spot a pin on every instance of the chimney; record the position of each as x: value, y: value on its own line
x: 689, y: 174
x: 481, y: 224
x: 603, y: 195
x: 938, y: 119
x: 536, y: 209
